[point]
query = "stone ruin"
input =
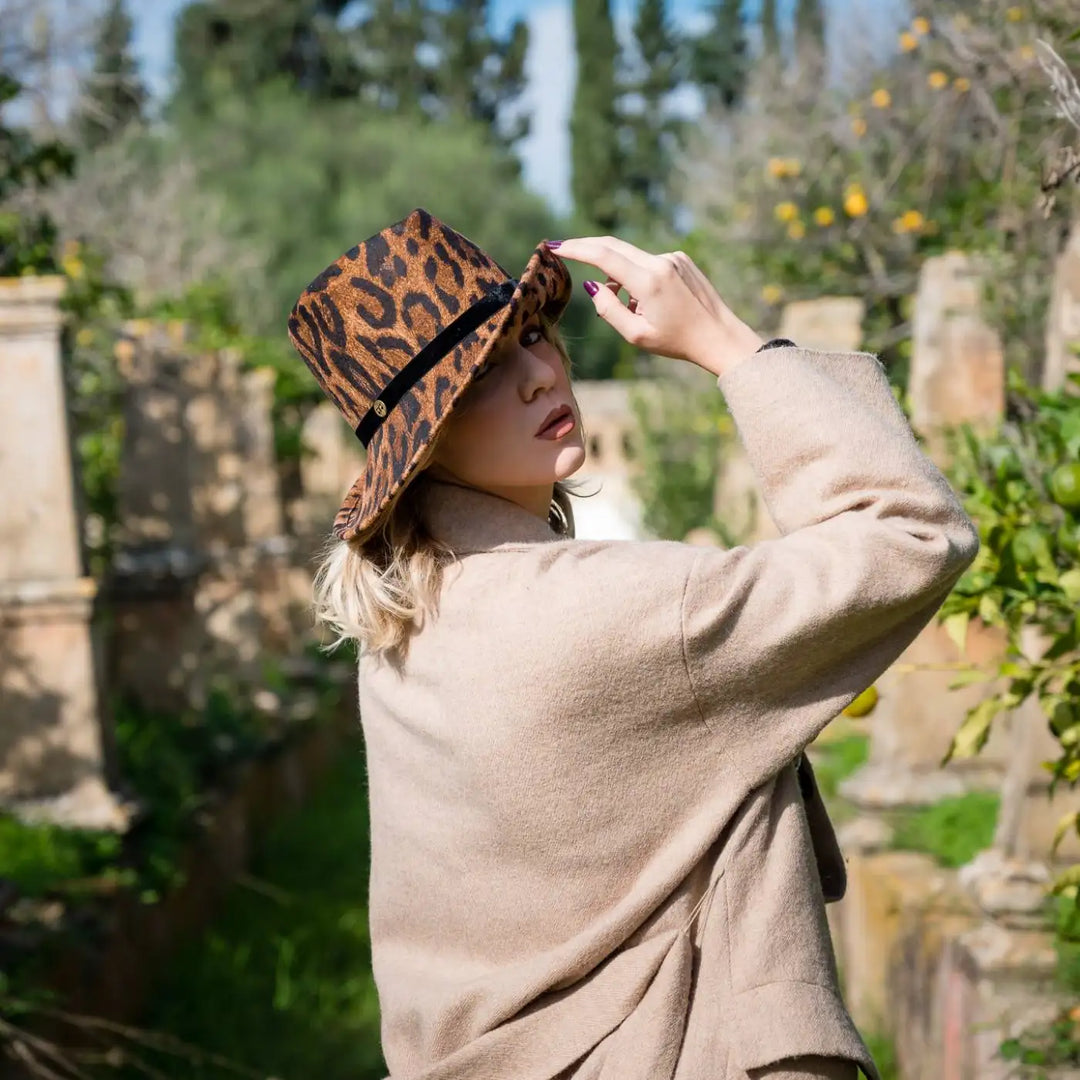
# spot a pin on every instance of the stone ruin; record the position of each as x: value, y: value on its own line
x: 210, y: 575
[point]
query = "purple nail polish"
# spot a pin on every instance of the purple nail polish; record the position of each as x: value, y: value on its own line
x: 591, y: 287
x: 552, y: 243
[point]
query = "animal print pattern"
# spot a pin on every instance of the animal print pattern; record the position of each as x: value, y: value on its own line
x: 374, y: 308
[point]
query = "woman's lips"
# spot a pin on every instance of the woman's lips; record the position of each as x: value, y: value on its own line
x: 558, y: 429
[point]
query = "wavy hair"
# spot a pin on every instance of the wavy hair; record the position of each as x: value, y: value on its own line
x: 374, y: 590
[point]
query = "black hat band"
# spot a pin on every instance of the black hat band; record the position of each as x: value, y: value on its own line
x: 430, y: 355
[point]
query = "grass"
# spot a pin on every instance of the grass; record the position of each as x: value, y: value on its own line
x: 281, y: 983
x: 883, y: 1052
x: 953, y: 830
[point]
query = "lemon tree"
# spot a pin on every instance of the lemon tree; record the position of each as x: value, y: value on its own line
x: 1021, y: 485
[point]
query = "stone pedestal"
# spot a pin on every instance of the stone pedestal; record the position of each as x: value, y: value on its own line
x: 1063, y: 317
x: 52, y: 758
x: 917, y: 716
x: 827, y: 322
x: 957, y: 364
x: 333, y: 459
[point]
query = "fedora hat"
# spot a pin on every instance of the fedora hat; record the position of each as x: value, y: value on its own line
x: 396, y: 330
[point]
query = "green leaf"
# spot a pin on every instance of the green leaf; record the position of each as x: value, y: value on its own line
x: 1067, y: 822
x: 974, y: 675
x: 1067, y: 879
x: 956, y: 627
x: 974, y: 731
x: 1069, y: 583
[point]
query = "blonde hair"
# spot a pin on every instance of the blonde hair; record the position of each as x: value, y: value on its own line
x: 373, y: 589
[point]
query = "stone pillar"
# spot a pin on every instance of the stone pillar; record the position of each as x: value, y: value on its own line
x: 956, y: 375
x: 333, y: 459
x: 157, y: 638
x: 52, y: 762
x: 957, y: 361
x: 1009, y: 879
x: 1063, y: 317
x: 281, y: 589
x: 830, y: 323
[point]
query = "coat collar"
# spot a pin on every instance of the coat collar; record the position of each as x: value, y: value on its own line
x: 469, y: 519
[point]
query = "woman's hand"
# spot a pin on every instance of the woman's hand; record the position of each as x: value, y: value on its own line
x: 673, y: 310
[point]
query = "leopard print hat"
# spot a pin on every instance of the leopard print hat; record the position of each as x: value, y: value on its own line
x: 396, y: 329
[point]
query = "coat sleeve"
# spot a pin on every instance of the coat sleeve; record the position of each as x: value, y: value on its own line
x: 779, y: 636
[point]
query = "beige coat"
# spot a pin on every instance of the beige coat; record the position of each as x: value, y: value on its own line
x: 590, y: 855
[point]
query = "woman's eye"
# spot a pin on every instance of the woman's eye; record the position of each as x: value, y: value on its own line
x: 535, y: 330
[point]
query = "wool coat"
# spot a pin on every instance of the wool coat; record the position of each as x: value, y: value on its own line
x: 590, y: 853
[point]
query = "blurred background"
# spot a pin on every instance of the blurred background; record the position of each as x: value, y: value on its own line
x: 183, y: 833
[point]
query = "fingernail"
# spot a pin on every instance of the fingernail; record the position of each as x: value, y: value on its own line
x: 552, y: 243
x: 591, y: 287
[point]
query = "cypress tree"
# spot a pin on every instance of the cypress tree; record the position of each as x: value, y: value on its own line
x: 770, y: 29
x: 810, y: 38
x: 595, y: 154
x: 113, y: 94
x: 652, y: 134
x: 718, y: 57
x: 478, y: 75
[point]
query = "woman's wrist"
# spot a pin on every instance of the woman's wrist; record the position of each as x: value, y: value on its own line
x: 741, y: 343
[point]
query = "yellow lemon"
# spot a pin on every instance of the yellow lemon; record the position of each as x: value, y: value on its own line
x: 786, y: 211
x: 823, y: 215
x: 776, y: 167
x: 881, y: 98
x: 855, y: 204
x: 796, y: 230
x: 909, y: 221
x: 908, y: 41
x: 962, y: 84
x: 921, y: 26
x: 937, y: 79
x: 864, y: 703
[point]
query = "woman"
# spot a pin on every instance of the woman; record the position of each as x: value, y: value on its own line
x: 591, y: 856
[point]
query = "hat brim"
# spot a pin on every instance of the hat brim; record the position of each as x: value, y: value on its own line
x: 401, y: 445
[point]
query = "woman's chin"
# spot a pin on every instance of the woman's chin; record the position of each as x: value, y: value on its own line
x: 570, y: 459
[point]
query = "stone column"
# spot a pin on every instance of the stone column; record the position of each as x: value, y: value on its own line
x: 52, y: 763
x: 277, y: 583
x: 957, y: 375
x: 1009, y: 879
x: 157, y: 639
x: 957, y: 361
x: 827, y: 323
x: 1063, y: 317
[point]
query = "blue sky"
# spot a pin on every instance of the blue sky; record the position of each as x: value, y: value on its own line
x: 549, y: 64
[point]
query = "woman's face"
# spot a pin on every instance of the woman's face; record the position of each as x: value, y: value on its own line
x: 491, y: 437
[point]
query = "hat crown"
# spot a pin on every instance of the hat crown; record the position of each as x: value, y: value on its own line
x: 395, y: 332
x: 364, y: 317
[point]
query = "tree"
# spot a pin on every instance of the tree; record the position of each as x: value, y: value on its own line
x: 718, y: 57
x: 651, y: 133
x: 113, y: 94
x: 241, y: 45
x: 770, y: 29
x: 810, y: 37
x: 477, y: 75
x: 596, y: 157
x: 27, y: 233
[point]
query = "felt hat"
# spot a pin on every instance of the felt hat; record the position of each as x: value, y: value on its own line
x: 396, y: 330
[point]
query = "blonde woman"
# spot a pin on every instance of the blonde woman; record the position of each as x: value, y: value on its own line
x: 591, y: 853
